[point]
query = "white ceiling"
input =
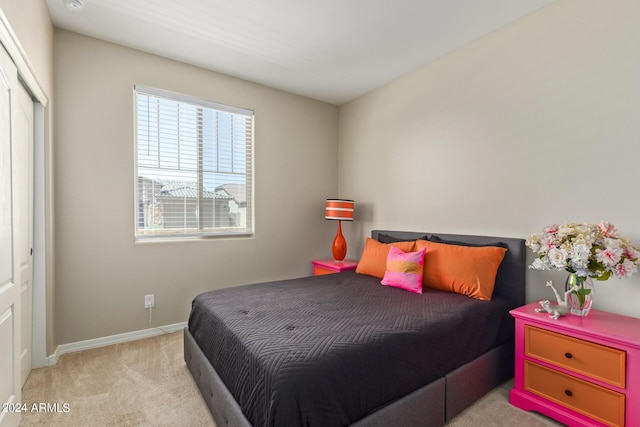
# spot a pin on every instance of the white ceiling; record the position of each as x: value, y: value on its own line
x: 331, y: 50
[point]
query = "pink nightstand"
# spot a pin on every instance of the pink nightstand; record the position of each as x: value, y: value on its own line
x: 581, y: 371
x: 331, y: 266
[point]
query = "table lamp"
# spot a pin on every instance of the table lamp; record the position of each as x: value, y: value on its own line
x: 339, y: 210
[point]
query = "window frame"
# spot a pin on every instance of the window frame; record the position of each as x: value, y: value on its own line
x: 249, y: 229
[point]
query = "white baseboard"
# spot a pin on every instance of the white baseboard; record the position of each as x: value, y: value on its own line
x: 52, y: 359
x: 112, y: 339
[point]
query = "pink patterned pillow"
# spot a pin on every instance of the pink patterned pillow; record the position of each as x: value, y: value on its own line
x: 404, y: 270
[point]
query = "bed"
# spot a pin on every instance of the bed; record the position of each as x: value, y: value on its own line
x: 341, y: 349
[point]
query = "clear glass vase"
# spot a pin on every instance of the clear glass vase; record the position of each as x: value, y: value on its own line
x: 580, y: 300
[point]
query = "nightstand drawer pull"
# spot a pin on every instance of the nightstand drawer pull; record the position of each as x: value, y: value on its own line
x: 593, y: 360
x: 568, y: 393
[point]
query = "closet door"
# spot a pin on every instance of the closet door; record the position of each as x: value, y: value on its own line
x: 23, y: 224
x: 10, y: 371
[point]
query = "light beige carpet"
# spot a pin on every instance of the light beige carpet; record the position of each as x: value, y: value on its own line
x: 139, y: 383
x: 146, y: 383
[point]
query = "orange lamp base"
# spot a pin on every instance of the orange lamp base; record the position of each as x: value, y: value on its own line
x: 339, y: 247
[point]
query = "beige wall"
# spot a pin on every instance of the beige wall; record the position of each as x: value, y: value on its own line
x: 534, y: 124
x: 102, y: 275
x: 30, y: 21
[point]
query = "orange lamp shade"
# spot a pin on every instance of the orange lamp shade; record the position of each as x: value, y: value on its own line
x: 340, y: 210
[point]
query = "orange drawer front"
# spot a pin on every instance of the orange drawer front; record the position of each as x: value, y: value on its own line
x: 319, y: 271
x: 593, y: 360
x: 599, y: 403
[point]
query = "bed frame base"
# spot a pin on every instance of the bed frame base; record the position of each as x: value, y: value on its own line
x: 223, y: 407
x: 432, y: 405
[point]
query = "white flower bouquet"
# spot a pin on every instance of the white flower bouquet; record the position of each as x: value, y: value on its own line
x: 586, y: 250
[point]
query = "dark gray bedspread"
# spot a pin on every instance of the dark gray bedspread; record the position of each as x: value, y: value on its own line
x: 328, y: 350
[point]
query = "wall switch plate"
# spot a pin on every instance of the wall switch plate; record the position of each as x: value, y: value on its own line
x: 149, y: 301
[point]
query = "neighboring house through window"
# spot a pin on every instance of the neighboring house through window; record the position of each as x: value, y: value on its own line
x: 193, y: 167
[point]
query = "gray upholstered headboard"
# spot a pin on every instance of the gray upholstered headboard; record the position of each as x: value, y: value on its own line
x: 510, y: 281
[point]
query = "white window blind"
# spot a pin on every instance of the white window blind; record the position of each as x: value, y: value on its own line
x: 193, y: 167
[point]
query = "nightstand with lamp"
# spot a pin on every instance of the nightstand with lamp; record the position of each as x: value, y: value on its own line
x: 336, y: 210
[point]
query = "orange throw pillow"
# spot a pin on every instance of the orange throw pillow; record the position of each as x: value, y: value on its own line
x: 374, y: 256
x: 465, y: 270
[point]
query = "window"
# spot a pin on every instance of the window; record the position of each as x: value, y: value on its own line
x: 193, y: 167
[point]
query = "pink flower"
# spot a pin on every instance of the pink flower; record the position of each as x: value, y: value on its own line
x: 552, y: 229
x: 631, y: 253
x: 607, y: 229
x: 609, y: 257
x: 548, y: 244
x: 625, y: 269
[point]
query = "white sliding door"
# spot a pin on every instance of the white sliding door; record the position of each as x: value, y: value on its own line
x: 23, y: 185
x: 10, y: 315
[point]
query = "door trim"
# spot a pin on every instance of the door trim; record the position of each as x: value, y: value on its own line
x: 11, y: 43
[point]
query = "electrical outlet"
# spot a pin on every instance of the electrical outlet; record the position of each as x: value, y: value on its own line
x: 149, y: 301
